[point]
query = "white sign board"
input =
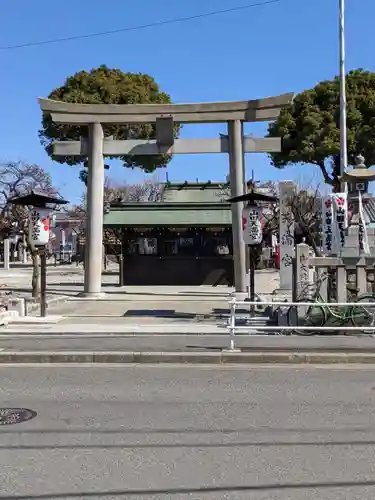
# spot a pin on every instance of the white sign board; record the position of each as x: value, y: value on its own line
x: 252, y: 225
x: 334, y: 222
x: 327, y: 224
x: 39, y: 226
x: 340, y: 217
x: 362, y: 230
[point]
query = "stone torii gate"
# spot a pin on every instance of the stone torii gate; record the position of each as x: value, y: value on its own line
x: 164, y: 116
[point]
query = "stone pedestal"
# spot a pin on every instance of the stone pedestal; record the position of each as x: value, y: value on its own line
x: 351, y: 248
x: 17, y: 305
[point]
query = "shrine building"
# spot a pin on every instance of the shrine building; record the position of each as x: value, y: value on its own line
x: 185, y: 239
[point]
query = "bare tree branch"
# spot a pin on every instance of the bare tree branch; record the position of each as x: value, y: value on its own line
x: 149, y: 190
x: 327, y: 179
x: 305, y: 212
x: 17, y: 179
x: 304, y: 209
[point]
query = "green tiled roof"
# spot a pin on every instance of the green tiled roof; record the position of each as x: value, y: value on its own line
x: 169, y: 214
x: 195, y: 192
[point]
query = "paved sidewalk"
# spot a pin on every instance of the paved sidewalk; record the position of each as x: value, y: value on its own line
x: 181, y: 344
x: 55, y: 326
x: 164, y: 342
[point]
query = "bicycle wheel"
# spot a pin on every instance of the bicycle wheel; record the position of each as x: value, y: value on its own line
x: 364, y: 315
x: 314, y: 316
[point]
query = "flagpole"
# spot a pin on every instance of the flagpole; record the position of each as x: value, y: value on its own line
x: 343, y: 131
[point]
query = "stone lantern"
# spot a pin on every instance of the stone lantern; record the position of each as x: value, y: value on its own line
x: 358, y: 180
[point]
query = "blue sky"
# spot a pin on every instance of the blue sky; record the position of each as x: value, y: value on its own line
x: 248, y: 54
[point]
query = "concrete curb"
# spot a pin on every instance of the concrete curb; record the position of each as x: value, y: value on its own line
x: 204, y: 358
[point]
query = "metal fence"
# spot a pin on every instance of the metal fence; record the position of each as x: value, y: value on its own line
x: 253, y: 329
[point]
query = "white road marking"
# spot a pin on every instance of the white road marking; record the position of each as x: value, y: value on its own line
x: 242, y: 367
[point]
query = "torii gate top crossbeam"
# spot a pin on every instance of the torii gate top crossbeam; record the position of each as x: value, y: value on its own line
x: 210, y: 112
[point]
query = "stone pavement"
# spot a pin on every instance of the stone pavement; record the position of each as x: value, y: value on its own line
x: 126, y: 307
x: 153, y: 304
x: 17, y: 281
x: 67, y: 280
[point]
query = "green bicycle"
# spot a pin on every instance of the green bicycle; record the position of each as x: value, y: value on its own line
x: 321, y: 313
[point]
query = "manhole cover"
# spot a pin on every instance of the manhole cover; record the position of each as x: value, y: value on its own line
x: 9, y: 416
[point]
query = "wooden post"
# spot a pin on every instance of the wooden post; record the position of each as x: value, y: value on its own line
x: 121, y: 260
x: 252, y: 255
x: 43, y: 282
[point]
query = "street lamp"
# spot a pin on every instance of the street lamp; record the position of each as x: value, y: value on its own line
x: 39, y: 231
x: 343, y: 131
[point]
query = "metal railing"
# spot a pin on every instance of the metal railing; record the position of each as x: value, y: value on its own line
x: 232, y: 327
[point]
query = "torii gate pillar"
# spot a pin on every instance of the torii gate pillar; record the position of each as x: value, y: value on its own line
x: 236, y: 173
x: 94, y: 221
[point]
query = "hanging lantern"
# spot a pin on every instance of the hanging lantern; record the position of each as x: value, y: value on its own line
x: 252, y: 225
x: 39, y: 226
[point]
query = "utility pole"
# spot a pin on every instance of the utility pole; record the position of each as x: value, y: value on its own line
x: 343, y: 131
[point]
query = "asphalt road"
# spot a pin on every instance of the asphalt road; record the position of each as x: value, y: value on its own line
x: 189, y: 433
